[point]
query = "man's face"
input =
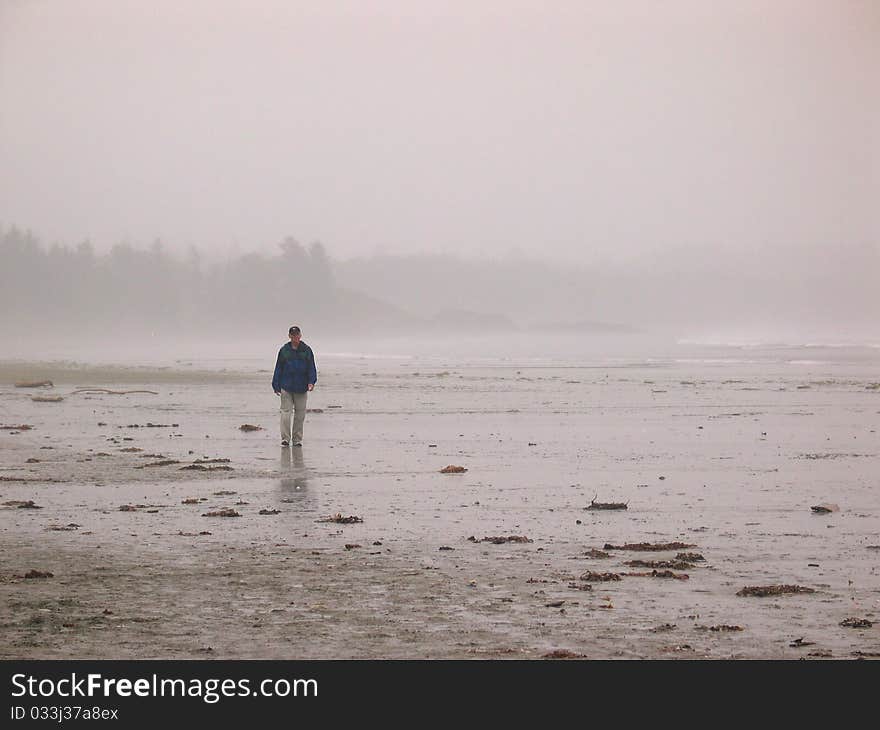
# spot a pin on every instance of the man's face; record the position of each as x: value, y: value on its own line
x: 295, y: 338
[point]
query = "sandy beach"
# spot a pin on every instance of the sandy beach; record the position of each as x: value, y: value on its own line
x: 718, y: 463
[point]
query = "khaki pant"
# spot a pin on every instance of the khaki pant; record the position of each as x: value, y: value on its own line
x: 293, y: 404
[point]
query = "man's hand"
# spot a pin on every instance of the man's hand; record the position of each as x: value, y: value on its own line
x: 277, y: 392
x: 311, y: 387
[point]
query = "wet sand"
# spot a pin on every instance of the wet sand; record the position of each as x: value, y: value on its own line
x: 725, y: 457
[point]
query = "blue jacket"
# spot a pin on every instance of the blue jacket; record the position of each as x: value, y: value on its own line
x: 295, y: 369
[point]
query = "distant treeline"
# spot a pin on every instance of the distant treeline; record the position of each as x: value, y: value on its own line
x: 153, y: 290
x: 150, y: 289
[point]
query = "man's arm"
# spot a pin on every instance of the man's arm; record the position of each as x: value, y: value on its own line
x: 276, y: 377
x: 313, y: 370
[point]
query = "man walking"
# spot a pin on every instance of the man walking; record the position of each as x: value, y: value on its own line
x: 295, y: 376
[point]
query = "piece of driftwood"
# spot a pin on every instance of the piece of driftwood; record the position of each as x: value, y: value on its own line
x: 606, y: 505
x: 825, y: 508
x: 47, y: 398
x: 35, y: 384
x: 453, y: 469
x: 20, y: 504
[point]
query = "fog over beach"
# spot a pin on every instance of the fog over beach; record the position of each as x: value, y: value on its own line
x: 617, y: 265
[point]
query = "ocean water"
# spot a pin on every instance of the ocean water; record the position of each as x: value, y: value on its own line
x: 252, y: 354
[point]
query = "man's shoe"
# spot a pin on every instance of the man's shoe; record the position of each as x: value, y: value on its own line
x: 297, y: 443
x: 285, y: 443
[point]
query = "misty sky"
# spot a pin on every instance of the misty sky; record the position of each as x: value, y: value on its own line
x: 569, y: 130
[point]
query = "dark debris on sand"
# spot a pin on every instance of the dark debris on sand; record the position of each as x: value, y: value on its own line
x: 857, y: 623
x: 606, y: 505
x: 222, y: 513
x: 202, y: 467
x: 594, y: 577
x: 39, y: 574
x: 660, y: 564
x: 650, y: 546
x: 164, y: 462
x: 690, y: 557
x: 663, y: 628
x: 777, y: 590
x: 594, y: 553
x: 22, y: 504
x: 660, y: 574
x: 562, y: 654
x: 340, y: 520
x: 501, y: 539
x: 825, y: 508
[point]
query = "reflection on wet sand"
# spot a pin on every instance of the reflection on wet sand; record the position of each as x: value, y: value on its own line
x: 294, y: 481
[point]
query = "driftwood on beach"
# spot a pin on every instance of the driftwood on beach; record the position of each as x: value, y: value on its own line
x: 606, y: 505
x: 35, y: 384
